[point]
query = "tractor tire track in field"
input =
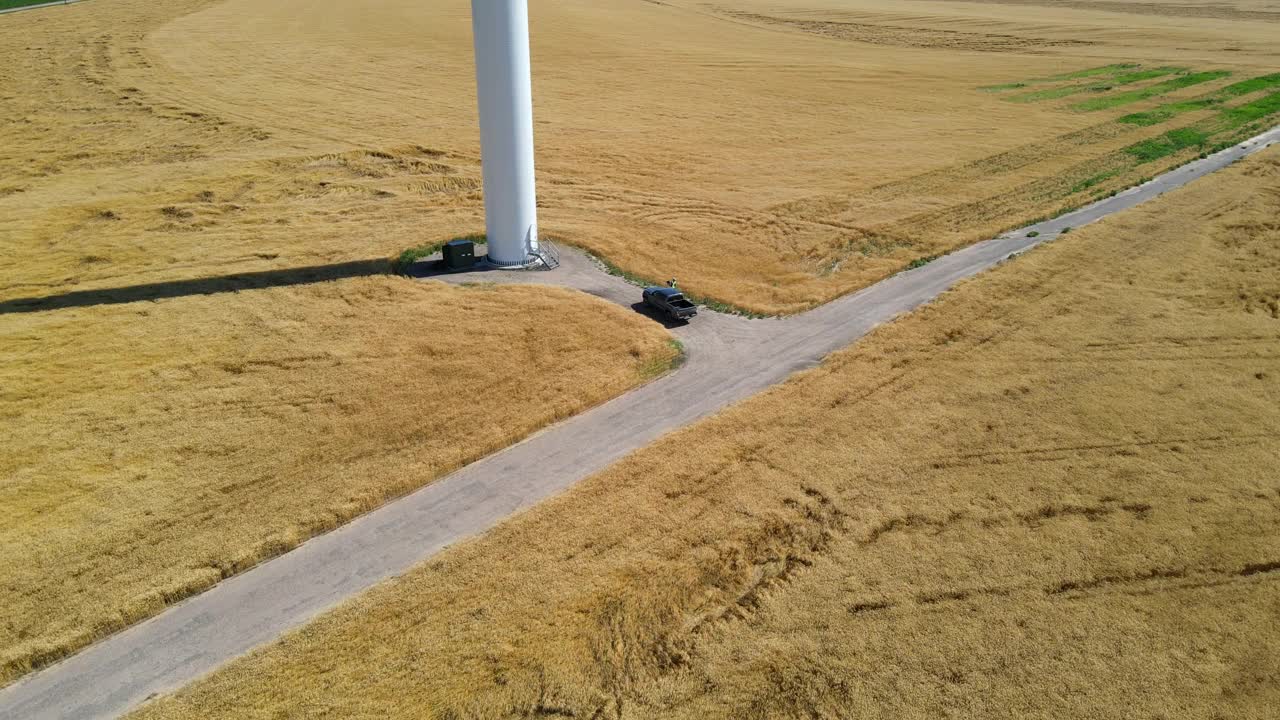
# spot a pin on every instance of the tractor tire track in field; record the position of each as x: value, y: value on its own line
x: 730, y: 359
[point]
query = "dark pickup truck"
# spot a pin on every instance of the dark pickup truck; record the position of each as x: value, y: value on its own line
x: 670, y: 301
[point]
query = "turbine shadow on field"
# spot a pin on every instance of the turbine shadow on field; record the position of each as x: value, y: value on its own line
x: 198, y: 286
x: 433, y: 267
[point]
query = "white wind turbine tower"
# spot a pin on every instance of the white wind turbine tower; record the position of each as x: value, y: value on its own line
x: 501, y: 32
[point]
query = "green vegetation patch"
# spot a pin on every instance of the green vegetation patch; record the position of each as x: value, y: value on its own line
x: 1091, y: 72
x: 1244, y: 114
x: 1052, y: 93
x: 1152, y: 74
x: 1094, y: 180
x: 1160, y: 88
x: 1155, y: 116
x: 1075, y: 75
x: 1167, y: 144
x: 412, y: 255
x: 1003, y: 87
x: 651, y: 368
x: 1127, y: 78
x: 1252, y: 85
x: 10, y: 4
x: 922, y: 261
x: 1214, y: 132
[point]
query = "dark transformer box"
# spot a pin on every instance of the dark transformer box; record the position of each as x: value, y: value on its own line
x: 459, y: 254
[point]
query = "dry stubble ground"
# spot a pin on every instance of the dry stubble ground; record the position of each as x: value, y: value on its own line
x: 772, y: 155
x: 1052, y: 493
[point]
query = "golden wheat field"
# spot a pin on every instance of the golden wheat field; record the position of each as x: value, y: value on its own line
x: 213, y: 370
x: 182, y: 395
x: 1051, y: 493
x: 187, y: 439
x: 772, y: 154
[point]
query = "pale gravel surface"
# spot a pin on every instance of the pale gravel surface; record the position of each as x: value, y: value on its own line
x: 729, y: 359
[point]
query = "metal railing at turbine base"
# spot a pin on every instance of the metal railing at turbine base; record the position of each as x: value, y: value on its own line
x: 545, y: 257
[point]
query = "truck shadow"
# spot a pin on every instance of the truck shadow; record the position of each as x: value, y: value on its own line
x: 643, y: 308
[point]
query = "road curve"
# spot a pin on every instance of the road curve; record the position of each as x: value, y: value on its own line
x: 730, y: 358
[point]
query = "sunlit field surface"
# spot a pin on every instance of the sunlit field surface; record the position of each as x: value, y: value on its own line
x: 204, y: 359
x: 771, y: 154
x: 1049, y: 494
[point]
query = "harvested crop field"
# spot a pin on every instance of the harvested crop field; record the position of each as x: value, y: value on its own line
x: 1051, y: 493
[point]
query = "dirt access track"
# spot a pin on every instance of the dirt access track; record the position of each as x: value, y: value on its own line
x: 730, y: 358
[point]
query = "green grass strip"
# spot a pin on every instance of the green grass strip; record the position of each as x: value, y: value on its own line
x: 1122, y: 79
x: 408, y: 257
x: 1229, y: 122
x: 1167, y: 144
x: 10, y: 4
x: 1155, y: 116
x: 1002, y: 87
x: 1244, y: 114
x: 1139, y: 76
x: 1252, y: 85
x: 1095, y: 180
x: 1090, y: 72
x: 1076, y: 75
x: 1160, y: 88
x: 1047, y: 94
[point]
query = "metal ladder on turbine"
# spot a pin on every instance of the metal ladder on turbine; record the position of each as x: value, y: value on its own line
x: 546, y: 257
